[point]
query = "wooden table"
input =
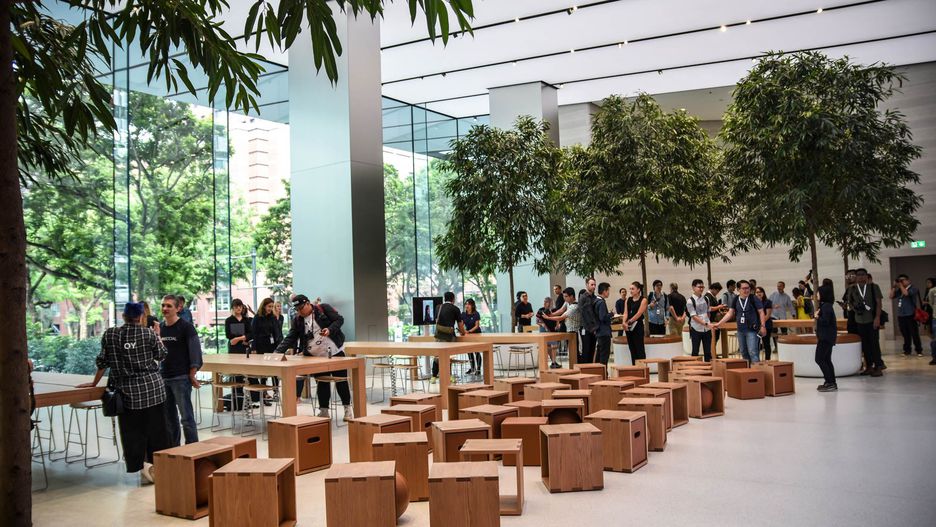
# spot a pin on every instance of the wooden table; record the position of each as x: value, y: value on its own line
x: 55, y: 389
x: 807, y: 323
x: 287, y: 371
x: 444, y: 351
x: 541, y: 340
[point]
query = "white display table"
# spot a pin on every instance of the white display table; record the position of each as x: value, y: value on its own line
x: 661, y: 347
x: 801, y: 351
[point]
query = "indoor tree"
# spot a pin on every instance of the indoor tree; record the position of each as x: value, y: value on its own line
x: 813, y: 157
x: 500, y: 200
x: 273, y: 239
x: 52, y: 101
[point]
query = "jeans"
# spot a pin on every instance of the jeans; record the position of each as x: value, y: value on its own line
x: 143, y: 432
x: 749, y: 345
x: 910, y: 331
x: 179, y: 404
x: 870, y: 347
x: 705, y: 339
x: 824, y: 360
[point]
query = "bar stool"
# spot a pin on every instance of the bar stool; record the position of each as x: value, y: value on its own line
x: 205, y: 383
x: 459, y: 364
x: 249, y: 417
x: 519, y: 352
x: 84, y: 439
x: 220, y: 386
x: 382, y: 368
x: 37, y: 442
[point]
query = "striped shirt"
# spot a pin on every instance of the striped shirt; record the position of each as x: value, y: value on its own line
x: 133, y: 353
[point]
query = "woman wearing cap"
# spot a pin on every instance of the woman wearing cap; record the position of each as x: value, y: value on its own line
x: 316, y: 332
x: 132, y: 353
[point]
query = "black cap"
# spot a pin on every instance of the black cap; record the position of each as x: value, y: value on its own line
x: 299, y: 300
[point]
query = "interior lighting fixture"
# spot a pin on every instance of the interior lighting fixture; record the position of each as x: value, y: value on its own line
x: 747, y: 22
x: 571, y: 51
x: 514, y: 63
x: 723, y: 28
x: 819, y: 11
x: 516, y: 20
x: 561, y: 86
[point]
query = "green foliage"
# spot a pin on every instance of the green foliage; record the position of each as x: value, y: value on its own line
x: 59, y: 353
x: 80, y: 356
x: 273, y: 240
x: 813, y: 157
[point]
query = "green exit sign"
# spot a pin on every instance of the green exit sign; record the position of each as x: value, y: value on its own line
x: 918, y: 244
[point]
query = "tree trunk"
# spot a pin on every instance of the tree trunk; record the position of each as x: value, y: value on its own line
x: 83, y: 308
x: 643, y: 278
x: 708, y: 271
x: 845, y: 261
x: 15, y: 455
x: 814, y: 259
x: 513, y: 305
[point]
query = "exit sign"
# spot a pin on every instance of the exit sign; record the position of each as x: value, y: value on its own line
x: 918, y: 244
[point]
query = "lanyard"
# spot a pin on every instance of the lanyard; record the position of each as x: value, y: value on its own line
x: 743, y: 304
x: 862, y: 293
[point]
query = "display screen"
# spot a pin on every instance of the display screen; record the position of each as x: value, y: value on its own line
x: 425, y: 309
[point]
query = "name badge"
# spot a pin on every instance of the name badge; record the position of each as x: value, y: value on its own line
x: 741, y: 320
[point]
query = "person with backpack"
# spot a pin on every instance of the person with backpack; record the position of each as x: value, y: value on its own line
x: 657, y: 309
x: 700, y: 321
x: 586, y: 306
x: 752, y: 322
x: 865, y: 299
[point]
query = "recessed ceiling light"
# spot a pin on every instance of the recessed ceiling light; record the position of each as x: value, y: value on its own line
x: 514, y: 63
x: 571, y: 51
x: 561, y: 86
x: 516, y: 20
x: 723, y: 28
x: 747, y: 22
x: 818, y: 11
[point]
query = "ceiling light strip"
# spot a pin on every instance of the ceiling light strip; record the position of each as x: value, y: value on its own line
x: 630, y: 41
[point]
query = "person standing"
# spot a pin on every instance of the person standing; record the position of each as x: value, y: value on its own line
x: 849, y: 313
x: 907, y: 296
x: 751, y: 322
x: 586, y: 307
x: 603, y: 316
x: 931, y: 299
x: 727, y: 298
x: 699, y: 321
x: 151, y: 320
x: 523, y: 310
x: 657, y: 308
x: 278, y: 313
x: 799, y: 302
x: 826, y: 333
x: 183, y: 360
x: 266, y: 330
x: 546, y: 325
x: 635, y: 307
x: 557, y: 305
x: 132, y: 354
x: 782, y: 303
x: 866, y: 299
x: 570, y: 315
x: 677, y: 310
x: 184, y: 312
x: 237, y: 327
x: 768, y: 321
x: 716, y: 309
x: 619, y: 307
x: 316, y: 332
x: 471, y: 323
x: 447, y: 318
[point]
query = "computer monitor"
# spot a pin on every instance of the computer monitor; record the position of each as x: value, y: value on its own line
x: 425, y: 309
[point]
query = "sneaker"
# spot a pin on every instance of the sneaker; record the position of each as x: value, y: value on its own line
x: 866, y: 371
x: 828, y: 387
x: 932, y: 362
x: 919, y: 354
x: 906, y: 354
x: 149, y: 474
x: 323, y: 412
x: 876, y: 373
x: 348, y: 413
x: 433, y: 380
x: 821, y: 386
x: 882, y: 367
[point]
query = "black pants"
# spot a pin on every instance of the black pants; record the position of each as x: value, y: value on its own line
x: 705, y: 339
x: 604, y: 349
x: 635, y: 342
x: 657, y: 329
x: 824, y: 360
x: 143, y: 432
x: 870, y: 347
x: 587, y: 350
x: 767, y: 341
x: 910, y: 330
x: 475, y: 360
x: 323, y: 389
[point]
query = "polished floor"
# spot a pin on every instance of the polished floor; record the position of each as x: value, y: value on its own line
x: 865, y: 455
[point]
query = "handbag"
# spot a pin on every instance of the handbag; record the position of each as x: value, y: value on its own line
x: 920, y: 316
x: 445, y: 333
x: 112, y: 403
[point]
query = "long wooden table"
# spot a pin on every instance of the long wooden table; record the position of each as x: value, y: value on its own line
x: 541, y: 340
x: 56, y: 389
x: 288, y: 370
x: 444, y: 351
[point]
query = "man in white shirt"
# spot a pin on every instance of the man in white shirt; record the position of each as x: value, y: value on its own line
x: 782, y: 304
x: 699, y: 322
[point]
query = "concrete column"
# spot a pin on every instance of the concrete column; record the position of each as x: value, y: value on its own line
x: 337, y: 179
x: 575, y: 122
x: 539, y: 100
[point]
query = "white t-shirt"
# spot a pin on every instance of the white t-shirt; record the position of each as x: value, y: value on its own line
x: 319, y: 345
x: 698, y: 307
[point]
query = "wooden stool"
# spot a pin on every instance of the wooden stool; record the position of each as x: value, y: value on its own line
x: 510, y: 504
x: 254, y: 492
x: 542, y: 391
x: 638, y: 381
x: 305, y: 438
x: 682, y: 375
x: 361, y: 494
x: 579, y: 381
x: 746, y: 383
x: 778, y: 377
x: 685, y: 358
x: 464, y: 495
x: 479, y: 397
x: 244, y: 447
x: 606, y: 394
x: 564, y: 411
x: 584, y: 395
x: 696, y: 385
x: 528, y: 408
x: 527, y: 430
x: 448, y: 436
x: 410, y: 451
x: 692, y: 365
x: 361, y: 432
x: 720, y: 367
x: 679, y: 394
x: 182, y: 484
x: 554, y: 375
x: 631, y: 371
x: 422, y: 415
x: 491, y: 414
x: 651, y: 393
x: 593, y: 368
x: 624, y: 438
x: 455, y: 390
x: 572, y: 457
x: 514, y: 387
x: 662, y: 367
x: 656, y: 422
x: 420, y: 398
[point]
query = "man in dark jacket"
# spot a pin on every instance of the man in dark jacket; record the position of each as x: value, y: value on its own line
x: 586, y: 306
x: 603, y: 317
x: 316, y: 332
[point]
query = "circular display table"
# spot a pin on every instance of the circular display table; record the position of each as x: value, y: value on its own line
x: 657, y: 347
x: 801, y: 351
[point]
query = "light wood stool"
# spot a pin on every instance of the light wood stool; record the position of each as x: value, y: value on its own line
x: 663, y: 367
x: 631, y: 371
x: 420, y: 398
x: 679, y: 394
x: 555, y: 374
x: 593, y: 368
x: 527, y: 430
x: 491, y: 414
x: 584, y: 395
x: 542, y: 391
x: 696, y: 410
x: 255, y: 493
x: 572, y: 457
x: 422, y: 416
x: 624, y: 438
x: 514, y: 387
x: 304, y: 438
x: 606, y: 394
x: 455, y: 390
x: 361, y: 432
x: 510, y: 504
x: 479, y: 397
x: 561, y: 411
x: 178, y: 487
x: 244, y: 447
x: 579, y: 381
x: 650, y: 393
x: 449, y: 436
x: 656, y: 422
x: 361, y: 494
x: 746, y: 383
x: 410, y: 451
x: 464, y: 495
x: 638, y: 381
x: 528, y: 408
x: 778, y: 377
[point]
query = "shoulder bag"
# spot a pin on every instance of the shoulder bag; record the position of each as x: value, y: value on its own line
x: 112, y: 403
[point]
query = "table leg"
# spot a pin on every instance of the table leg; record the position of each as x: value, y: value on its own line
x: 445, y: 374
x: 572, y: 339
x: 288, y: 392
x: 359, y: 389
x: 724, y: 343
x: 543, y: 346
x: 488, y: 366
x: 216, y: 401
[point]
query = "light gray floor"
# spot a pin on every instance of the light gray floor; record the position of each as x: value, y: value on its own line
x: 863, y: 456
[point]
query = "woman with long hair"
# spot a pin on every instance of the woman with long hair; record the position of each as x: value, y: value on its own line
x: 266, y: 331
x: 826, y: 333
x: 636, y: 307
x: 768, y: 310
x: 471, y: 323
